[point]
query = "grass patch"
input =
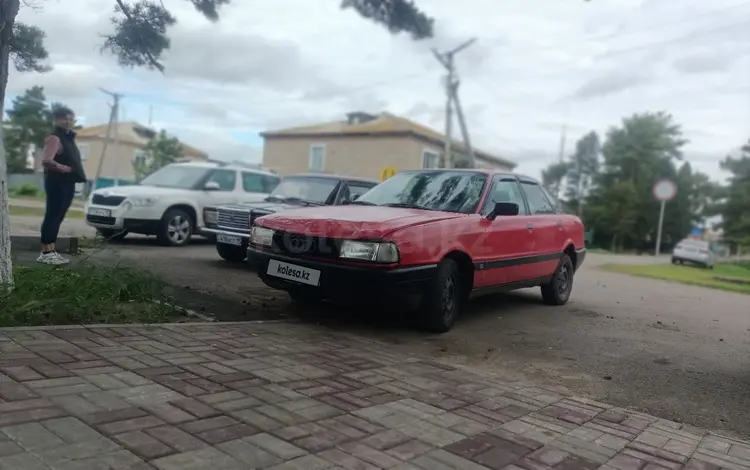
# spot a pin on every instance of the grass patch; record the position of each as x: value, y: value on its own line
x: 689, y: 274
x: 39, y: 212
x: 53, y: 295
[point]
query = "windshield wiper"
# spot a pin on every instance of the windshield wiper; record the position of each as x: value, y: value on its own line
x: 274, y: 199
x: 408, y: 206
x: 296, y: 200
x: 361, y: 203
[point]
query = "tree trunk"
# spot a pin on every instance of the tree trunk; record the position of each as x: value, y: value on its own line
x: 8, y: 13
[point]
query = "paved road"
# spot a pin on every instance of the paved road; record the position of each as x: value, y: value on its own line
x: 297, y: 397
x: 676, y: 351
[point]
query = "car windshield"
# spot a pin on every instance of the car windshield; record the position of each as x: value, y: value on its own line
x: 305, y: 189
x: 175, y: 176
x: 449, y: 191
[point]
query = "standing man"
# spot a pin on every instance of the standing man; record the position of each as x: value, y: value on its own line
x: 62, y: 170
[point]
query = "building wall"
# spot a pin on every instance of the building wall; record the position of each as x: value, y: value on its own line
x: 350, y: 156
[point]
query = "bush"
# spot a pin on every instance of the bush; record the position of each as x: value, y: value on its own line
x: 52, y: 295
x: 25, y: 190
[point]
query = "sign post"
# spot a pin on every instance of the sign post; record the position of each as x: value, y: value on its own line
x: 664, y: 190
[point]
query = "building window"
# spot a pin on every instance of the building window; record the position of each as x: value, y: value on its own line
x: 317, y: 158
x: 140, y: 158
x: 430, y: 159
x: 83, y: 149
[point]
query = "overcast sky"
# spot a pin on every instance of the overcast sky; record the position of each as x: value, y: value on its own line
x: 536, y: 64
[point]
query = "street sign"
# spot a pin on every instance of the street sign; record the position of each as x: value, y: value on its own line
x: 387, y: 172
x: 664, y: 190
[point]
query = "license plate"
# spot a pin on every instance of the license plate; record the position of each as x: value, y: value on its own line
x: 229, y: 239
x: 292, y: 272
x: 100, y: 212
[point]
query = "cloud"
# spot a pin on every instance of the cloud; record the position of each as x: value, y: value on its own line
x: 706, y: 61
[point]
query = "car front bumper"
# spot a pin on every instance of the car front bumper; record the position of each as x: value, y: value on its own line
x: 345, y: 282
x: 124, y: 217
x: 580, y: 257
x: 218, y: 231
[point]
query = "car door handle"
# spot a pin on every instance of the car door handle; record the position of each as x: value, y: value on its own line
x: 530, y: 226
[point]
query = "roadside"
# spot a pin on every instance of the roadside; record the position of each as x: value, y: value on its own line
x: 733, y: 277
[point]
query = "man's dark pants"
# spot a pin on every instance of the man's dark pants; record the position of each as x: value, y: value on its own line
x: 60, y: 193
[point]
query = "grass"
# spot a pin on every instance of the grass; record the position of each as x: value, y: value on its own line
x: 39, y: 212
x: 53, y: 295
x: 690, y: 275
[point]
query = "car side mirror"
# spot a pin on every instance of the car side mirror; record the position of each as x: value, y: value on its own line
x: 211, y: 186
x: 503, y: 209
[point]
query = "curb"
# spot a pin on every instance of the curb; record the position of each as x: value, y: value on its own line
x: 67, y: 245
x: 8, y: 329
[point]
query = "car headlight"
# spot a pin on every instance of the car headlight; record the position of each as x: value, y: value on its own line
x: 383, y: 252
x: 143, y: 201
x: 210, y: 216
x: 261, y: 236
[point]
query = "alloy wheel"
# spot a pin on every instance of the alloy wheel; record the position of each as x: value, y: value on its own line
x: 563, y: 279
x: 178, y: 229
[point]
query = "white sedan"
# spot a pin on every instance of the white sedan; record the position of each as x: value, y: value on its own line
x: 694, y: 252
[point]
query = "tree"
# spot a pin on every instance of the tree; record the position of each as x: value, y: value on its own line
x: 160, y: 151
x: 736, y: 209
x: 29, y: 122
x: 582, y: 168
x: 553, y: 176
x: 644, y: 149
x: 139, y: 39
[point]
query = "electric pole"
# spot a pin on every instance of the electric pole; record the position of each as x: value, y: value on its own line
x: 113, y: 122
x: 451, y: 93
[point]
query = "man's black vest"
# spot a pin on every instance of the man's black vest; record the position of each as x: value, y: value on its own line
x: 69, y: 155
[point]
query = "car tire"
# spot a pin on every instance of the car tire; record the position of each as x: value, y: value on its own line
x: 112, y: 235
x: 557, y: 291
x: 175, y: 228
x: 674, y: 260
x: 441, y: 301
x: 231, y: 253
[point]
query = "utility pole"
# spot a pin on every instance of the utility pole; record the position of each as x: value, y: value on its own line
x: 451, y: 92
x: 113, y: 121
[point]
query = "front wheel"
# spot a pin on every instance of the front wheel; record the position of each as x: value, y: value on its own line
x: 232, y: 253
x: 175, y: 228
x: 441, y: 300
x: 557, y: 291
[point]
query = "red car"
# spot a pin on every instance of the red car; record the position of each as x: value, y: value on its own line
x: 440, y: 235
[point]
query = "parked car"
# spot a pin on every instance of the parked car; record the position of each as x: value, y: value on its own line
x: 230, y: 224
x: 169, y: 202
x: 693, y: 251
x: 437, y: 235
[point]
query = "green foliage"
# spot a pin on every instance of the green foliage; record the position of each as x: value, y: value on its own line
x: 396, y: 15
x: 25, y: 190
x: 27, y: 48
x: 736, y: 209
x: 583, y: 166
x: 29, y: 122
x: 44, y: 295
x: 553, y: 176
x: 160, y: 151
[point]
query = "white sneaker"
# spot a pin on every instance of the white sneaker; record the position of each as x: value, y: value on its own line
x: 51, y: 258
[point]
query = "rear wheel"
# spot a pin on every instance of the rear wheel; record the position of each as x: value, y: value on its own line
x: 557, y: 291
x: 234, y: 254
x: 441, y: 300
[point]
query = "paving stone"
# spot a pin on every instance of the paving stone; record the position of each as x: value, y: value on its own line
x: 27, y: 416
x: 76, y: 451
x: 442, y: 460
x: 248, y: 453
x: 21, y: 461
x: 409, y: 450
x: 72, y: 430
x: 133, y: 424
x: 32, y: 436
x: 201, y: 459
x: 9, y: 448
x: 227, y: 433
x: 175, y: 438
x: 345, y: 460
x: 143, y: 445
x: 276, y: 446
x: 195, y: 407
x: 307, y: 462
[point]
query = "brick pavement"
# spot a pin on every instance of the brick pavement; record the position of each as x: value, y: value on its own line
x: 285, y: 396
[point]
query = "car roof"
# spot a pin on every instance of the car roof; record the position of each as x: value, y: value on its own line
x: 333, y: 177
x: 227, y: 166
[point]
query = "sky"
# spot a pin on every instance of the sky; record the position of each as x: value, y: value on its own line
x: 536, y: 65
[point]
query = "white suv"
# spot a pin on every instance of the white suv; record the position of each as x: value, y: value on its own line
x: 169, y: 202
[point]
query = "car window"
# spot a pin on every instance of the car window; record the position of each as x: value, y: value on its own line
x: 227, y: 179
x: 538, y: 202
x: 357, y: 189
x: 270, y: 182
x: 504, y: 190
x: 253, y: 182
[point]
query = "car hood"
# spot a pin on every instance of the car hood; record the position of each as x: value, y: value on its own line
x: 352, y: 221
x: 267, y: 207
x: 139, y: 190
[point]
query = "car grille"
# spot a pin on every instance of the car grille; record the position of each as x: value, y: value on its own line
x: 302, y: 245
x: 100, y: 200
x: 98, y: 219
x: 233, y: 219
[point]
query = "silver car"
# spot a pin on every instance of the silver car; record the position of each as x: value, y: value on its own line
x: 695, y: 252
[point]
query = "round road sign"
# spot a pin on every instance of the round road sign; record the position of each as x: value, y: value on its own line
x: 664, y: 190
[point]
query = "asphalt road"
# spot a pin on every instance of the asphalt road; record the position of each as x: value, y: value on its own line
x: 680, y: 352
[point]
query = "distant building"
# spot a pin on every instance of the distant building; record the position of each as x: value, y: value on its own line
x: 363, y: 145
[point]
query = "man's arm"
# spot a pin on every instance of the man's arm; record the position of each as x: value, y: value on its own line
x: 51, y: 147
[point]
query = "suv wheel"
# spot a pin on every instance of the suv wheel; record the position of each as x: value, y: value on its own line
x: 557, y: 291
x: 112, y: 235
x: 235, y: 254
x: 441, y: 300
x: 175, y: 228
